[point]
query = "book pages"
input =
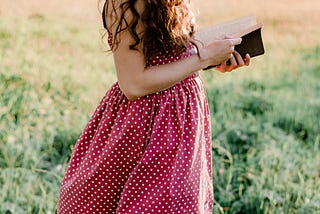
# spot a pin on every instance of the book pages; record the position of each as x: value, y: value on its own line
x: 230, y: 28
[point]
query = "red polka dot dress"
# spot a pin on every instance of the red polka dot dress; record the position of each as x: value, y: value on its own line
x: 150, y: 155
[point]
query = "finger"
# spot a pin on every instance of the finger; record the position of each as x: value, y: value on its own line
x: 233, y: 62
x: 239, y: 59
x: 218, y: 68
x: 234, y: 41
x: 247, y: 60
x: 223, y: 66
x: 229, y: 68
x: 224, y: 36
x: 233, y: 65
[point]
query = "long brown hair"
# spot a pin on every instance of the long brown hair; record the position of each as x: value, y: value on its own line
x: 167, y: 25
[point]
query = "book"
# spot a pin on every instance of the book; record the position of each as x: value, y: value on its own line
x: 246, y: 27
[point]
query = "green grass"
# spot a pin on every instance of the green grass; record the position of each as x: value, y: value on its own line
x: 266, y: 141
x: 265, y: 119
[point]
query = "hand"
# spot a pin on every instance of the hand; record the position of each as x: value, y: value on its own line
x: 236, y: 61
x: 218, y: 51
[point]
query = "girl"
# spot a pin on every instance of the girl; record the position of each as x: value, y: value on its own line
x: 147, y: 147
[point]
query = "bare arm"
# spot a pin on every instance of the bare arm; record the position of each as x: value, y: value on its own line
x: 135, y: 80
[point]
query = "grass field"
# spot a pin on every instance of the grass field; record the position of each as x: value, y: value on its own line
x: 54, y: 69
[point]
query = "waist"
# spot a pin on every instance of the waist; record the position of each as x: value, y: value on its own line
x: 190, y: 80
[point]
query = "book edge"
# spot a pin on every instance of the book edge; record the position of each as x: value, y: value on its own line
x: 248, y: 30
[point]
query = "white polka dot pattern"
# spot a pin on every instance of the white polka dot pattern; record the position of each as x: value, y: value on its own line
x: 150, y: 155
x: 172, y: 56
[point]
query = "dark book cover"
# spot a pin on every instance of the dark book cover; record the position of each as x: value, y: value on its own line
x: 251, y: 43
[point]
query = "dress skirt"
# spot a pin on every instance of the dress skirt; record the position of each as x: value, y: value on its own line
x: 150, y: 155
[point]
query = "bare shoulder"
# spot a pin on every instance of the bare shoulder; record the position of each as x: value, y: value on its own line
x: 121, y: 10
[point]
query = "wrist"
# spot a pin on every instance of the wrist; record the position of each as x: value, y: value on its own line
x: 203, y: 57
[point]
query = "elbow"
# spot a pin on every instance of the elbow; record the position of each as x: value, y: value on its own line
x: 131, y: 91
x: 131, y: 96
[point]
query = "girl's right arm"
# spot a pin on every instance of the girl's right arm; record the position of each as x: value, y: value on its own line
x: 136, y: 80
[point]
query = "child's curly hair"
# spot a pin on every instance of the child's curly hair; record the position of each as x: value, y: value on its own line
x: 167, y: 24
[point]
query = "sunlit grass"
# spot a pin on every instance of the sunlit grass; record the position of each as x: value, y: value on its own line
x: 54, y: 69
